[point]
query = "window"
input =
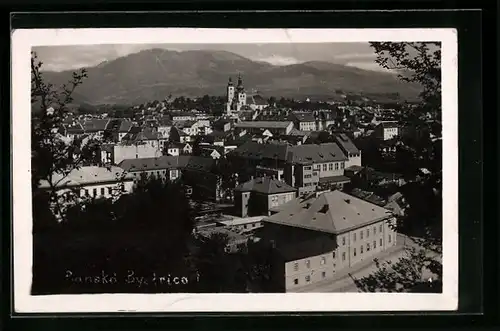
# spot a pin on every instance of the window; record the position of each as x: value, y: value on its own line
x: 245, y: 226
x: 323, y: 274
x: 367, y: 233
x: 374, y: 244
x: 102, y: 190
x: 94, y: 192
x: 343, y: 256
x: 336, y: 166
x: 295, y: 266
x: 324, y: 167
x: 374, y: 230
x: 323, y: 260
x: 82, y: 193
x: 381, y: 242
x: 361, y: 234
x: 308, y: 278
x: 110, y: 190
x: 308, y: 176
x: 354, y: 252
x: 367, y: 247
x: 354, y: 236
x: 389, y: 239
x: 86, y: 192
x: 380, y: 228
x: 342, y: 165
x: 296, y: 281
x: 253, y: 225
x: 307, y: 168
x: 330, y: 166
x: 308, y: 264
x: 333, y: 255
x: 361, y: 249
x: 343, y: 241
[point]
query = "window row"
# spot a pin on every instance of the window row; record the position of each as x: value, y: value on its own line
x: 329, y: 166
x: 95, y: 192
x: 308, y: 263
x: 362, y: 232
x: 308, y: 278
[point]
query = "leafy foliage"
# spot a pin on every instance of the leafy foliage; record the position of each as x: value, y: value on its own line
x: 416, y: 62
x: 51, y: 154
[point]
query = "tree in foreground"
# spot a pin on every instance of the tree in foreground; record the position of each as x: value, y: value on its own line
x: 420, y: 63
x: 53, y: 157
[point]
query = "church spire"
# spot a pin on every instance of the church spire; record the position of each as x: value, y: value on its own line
x: 240, y: 81
x: 230, y: 82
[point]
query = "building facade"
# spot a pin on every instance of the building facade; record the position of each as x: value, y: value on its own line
x: 318, y: 236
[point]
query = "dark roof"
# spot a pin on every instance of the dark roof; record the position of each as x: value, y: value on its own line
x: 334, y: 179
x: 346, y: 143
x: 94, y: 125
x: 262, y: 124
x: 386, y: 125
x: 317, y: 153
x: 309, y: 153
x: 266, y: 185
x: 168, y: 162
x: 303, y: 116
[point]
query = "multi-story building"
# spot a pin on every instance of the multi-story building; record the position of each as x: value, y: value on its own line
x: 315, y: 237
x: 350, y: 150
x: 196, y: 172
x: 258, y: 195
x: 301, y: 166
x: 386, y: 130
x: 116, y: 153
x: 92, y: 181
x: 303, y: 121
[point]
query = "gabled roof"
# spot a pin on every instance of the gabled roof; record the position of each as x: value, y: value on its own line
x: 95, y: 125
x: 317, y: 153
x: 346, y: 143
x: 265, y: 185
x: 168, y: 162
x: 332, y: 212
x: 303, y: 116
x: 87, y: 175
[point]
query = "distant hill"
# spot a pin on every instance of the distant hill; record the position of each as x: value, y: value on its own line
x: 154, y: 74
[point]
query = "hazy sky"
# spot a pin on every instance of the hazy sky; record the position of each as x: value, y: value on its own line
x: 58, y: 58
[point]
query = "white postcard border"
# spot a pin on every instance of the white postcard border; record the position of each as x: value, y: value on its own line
x: 23, y: 40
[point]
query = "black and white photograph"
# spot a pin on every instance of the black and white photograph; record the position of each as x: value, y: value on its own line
x: 235, y: 170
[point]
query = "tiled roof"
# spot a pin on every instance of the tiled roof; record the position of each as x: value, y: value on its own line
x: 87, y: 175
x: 317, y: 153
x: 308, y: 153
x: 262, y: 124
x: 346, y: 143
x: 95, y: 125
x: 332, y: 212
x: 168, y: 162
x: 303, y: 116
x: 265, y: 185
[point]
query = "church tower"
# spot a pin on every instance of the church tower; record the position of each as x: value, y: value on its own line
x: 230, y: 90
x: 242, y: 96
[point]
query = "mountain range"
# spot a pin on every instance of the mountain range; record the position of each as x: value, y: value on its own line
x: 156, y: 73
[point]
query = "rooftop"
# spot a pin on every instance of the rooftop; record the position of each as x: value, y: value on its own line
x: 263, y: 124
x: 346, y: 143
x: 303, y: 116
x: 266, y: 185
x: 331, y: 212
x: 87, y: 175
x: 168, y: 162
